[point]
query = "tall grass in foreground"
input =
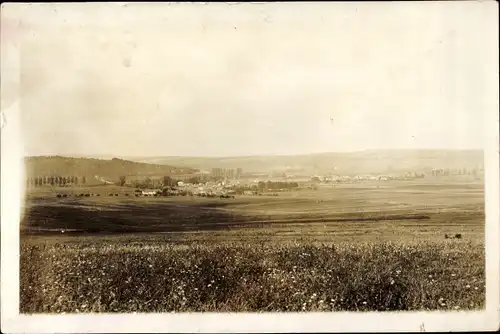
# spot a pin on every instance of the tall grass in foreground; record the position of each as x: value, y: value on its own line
x: 156, y: 277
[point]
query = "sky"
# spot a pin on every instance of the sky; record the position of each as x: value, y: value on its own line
x: 247, y: 79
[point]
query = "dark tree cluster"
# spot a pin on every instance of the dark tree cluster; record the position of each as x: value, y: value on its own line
x: 60, y: 181
x: 266, y: 186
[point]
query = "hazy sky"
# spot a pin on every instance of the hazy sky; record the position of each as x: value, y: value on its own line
x: 244, y: 79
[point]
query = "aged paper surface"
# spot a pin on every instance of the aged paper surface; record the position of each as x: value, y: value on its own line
x: 249, y: 167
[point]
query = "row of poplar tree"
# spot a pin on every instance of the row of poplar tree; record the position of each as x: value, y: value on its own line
x: 460, y: 171
x: 55, y: 181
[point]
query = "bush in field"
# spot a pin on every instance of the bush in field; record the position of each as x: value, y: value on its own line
x: 158, y: 277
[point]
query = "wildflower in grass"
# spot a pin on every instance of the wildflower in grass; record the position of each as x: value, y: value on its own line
x: 476, y: 288
x: 467, y: 286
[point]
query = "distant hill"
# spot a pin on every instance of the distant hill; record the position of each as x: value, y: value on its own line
x: 111, y: 169
x: 370, y: 161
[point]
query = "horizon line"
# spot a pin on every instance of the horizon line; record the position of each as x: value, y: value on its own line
x: 95, y: 156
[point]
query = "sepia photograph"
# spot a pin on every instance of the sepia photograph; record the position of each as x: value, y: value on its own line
x: 250, y: 167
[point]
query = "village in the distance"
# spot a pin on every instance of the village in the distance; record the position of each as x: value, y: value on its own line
x: 228, y: 182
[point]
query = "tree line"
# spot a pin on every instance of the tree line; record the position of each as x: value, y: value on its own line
x: 55, y: 181
x: 448, y: 171
x: 265, y: 186
x: 275, y: 185
x: 167, y: 181
x: 171, y: 182
x: 148, y: 182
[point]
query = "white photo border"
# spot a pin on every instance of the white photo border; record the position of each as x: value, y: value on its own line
x: 12, y: 195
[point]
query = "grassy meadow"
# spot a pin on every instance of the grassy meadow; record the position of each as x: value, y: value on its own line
x: 349, y: 247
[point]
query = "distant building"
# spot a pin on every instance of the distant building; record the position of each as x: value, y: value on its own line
x: 239, y: 173
x: 229, y: 173
x: 149, y: 192
x: 217, y: 172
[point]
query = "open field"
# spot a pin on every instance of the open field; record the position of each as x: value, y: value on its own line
x: 154, y: 276
x: 350, y: 247
x: 397, y: 210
